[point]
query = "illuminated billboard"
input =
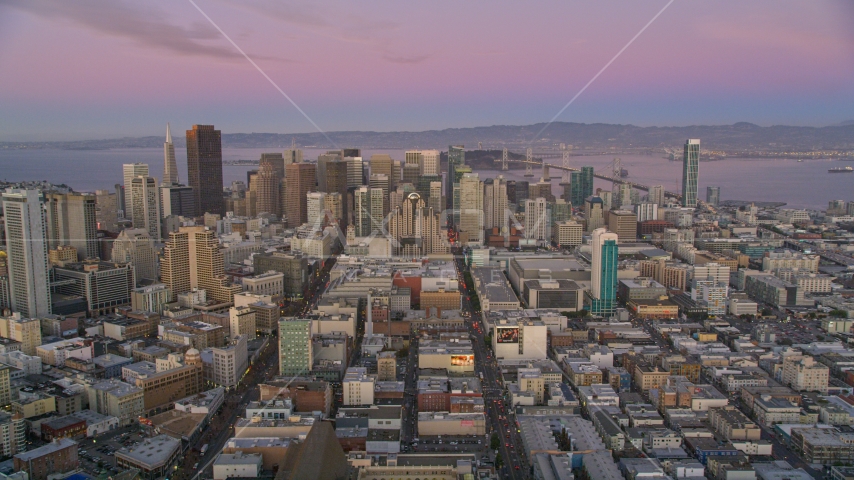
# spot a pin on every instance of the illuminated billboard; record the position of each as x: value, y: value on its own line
x: 462, y: 360
x: 507, y: 335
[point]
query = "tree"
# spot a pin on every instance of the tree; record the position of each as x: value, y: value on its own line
x: 498, y: 460
x: 838, y: 313
x: 786, y: 341
x: 495, y: 442
x: 403, y: 352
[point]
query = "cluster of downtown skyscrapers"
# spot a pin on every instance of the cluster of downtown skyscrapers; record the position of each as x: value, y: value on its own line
x: 394, y: 207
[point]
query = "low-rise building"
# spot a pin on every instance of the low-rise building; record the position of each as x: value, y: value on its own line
x: 732, y: 424
x: 239, y: 464
x: 59, y: 456
x: 770, y: 410
x: 153, y: 457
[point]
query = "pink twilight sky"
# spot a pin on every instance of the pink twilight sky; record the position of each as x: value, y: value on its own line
x: 107, y: 68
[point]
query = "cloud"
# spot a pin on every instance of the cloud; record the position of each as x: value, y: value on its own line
x: 406, y: 59
x: 146, y: 27
x: 376, y: 34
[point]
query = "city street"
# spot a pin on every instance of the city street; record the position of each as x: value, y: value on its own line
x: 500, y: 415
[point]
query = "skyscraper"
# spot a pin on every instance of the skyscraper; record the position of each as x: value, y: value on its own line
x: 71, y: 221
x: 690, y: 172
x: 145, y: 208
x: 603, y: 275
x: 367, y: 212
x: 416, y: 229
x: 594, y: 213
x: 106, y: 210
x: 322, y: 169
x: 316, y: 208
x: 26, y: 247
x: 495, y: 203
x: 336, y: 182
x: 471, y: 208
x: 276, y: 160
x: 713, y: 196
x: 384, y: 165
x: 204, y: 168
x: 456, y: 158
x: 427, y: 161
x: 537, y: 222
x: 131, y: 171
x: 177, y: 200
x: 267, y: 188
x: 383, y: 181
x: 354, y: 171
x: 455, y: 200
x: 170, y: 167
x: 581, y: 185
x: 293, y: 155
x: 135, y: 246
x: 623, y: 196
x: 299, y: 178
x: 435, y: 197
x: 656, y: 195
x: 192, y: 258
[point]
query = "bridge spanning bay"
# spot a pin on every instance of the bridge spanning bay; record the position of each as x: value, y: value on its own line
x: 612, y: 173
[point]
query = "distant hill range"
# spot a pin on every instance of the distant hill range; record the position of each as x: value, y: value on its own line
x: 593, y: 138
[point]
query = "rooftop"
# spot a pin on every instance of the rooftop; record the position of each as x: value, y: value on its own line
x: 51, y: 447
x: 152, y: 452
x: 239, y: 458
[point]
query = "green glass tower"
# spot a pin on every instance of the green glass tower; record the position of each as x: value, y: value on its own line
x: 603, y: 277
x: 581, y: 185
x: 690, y: 172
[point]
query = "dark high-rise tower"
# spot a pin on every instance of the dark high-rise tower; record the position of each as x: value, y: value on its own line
x: 204, y: 168
x: 300, y: 179
x: 336, y: 182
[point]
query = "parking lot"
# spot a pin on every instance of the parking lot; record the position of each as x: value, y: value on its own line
x: 98, y: 454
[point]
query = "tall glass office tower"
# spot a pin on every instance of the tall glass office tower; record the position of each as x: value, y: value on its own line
x: 581, y: 185
x: 603, y: 277
x: 690, y: 172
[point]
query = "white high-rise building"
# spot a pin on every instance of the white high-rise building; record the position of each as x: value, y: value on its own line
x: 354, y: 171
x: 646, y: 211
x: 145, y: 206
x: 427, y: 160
x: 170, y: 167
x: 316, y: 207
x: 368, y: 214
x: 537, y: 222
x: 471, y: 207
x: 131, y: 171
x: 495, y: 203
x: 26, y: 247
x: 135, y: 246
